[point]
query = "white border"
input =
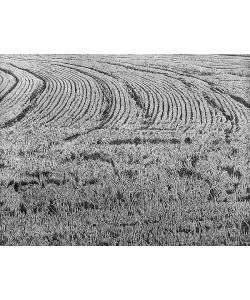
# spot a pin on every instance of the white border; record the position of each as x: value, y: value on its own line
x: 122, y: 27
x: 124, y: 273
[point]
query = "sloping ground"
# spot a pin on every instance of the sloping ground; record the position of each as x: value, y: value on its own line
x: 124, y: 150
x: 149, y: 92
x: 125, y: 189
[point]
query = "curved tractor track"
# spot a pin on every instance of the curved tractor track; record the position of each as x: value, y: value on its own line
x: 152, y: 92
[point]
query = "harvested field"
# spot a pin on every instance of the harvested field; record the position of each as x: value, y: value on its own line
x: 124, y: 150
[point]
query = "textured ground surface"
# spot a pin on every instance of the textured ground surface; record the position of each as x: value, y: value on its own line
x: 124, y: 150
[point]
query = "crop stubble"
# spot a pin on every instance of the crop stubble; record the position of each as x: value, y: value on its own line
x: 124, y: 150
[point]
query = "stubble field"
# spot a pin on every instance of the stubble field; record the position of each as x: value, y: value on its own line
x: 124, y: 150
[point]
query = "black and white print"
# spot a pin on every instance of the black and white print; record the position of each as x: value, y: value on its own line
x: 122, y: 150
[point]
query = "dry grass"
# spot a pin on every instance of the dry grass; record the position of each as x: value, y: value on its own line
x: 136, y: 190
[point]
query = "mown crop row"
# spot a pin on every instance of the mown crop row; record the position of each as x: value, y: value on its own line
x: 112, y: 92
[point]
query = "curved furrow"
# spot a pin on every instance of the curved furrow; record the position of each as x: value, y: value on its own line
x: 201, y: 108
x: 46, y: 101
x: 200, y: 84
x: 15, y: 112
x: 143, y: 92
x: 187, y: 113
x: 51, y: 88
x: 226, y: 107
x: 156, y: 111
x: 179, y: 110
x: 18, y: 93
x: 235, y: 112
x: 90, y: 102
x: 146, y: 96
x: 217, y: 101
x: 223, y: 106
x: 93, y: 105
x: 128, y: 114
x: 240, y: 114
x: 203, y: 96
x: 207, y: 110
x: 18, y: 102
x: 50, y: 98
x: 41, y: 85
x: 117, y: 111
x: 65, y: 98
x: 7, y: 83
x: 59, y: 98
x: 120, y: 111
x: 179, y: 104
x: 140, y: 96
x: 141, y: 68
x: 155, y: 94
x: 170, y: 117
x: 106, y: 98
x: 199, y: 91
x: 203, y: 111
x: 4, y: 82
x: 13, y: 93
x: 45, y: 107
x: 152, y: 101
x: 80, y: 92
x: 161, y: 98
x: 178, y: 101
x: 8, y: 77
x: 242, y: 107
x: 70, y: 106
x: 188, y: 108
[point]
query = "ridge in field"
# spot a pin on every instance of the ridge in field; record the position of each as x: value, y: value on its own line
x: 131, y: 92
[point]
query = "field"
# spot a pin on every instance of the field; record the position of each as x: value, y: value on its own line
x: 124, y: 150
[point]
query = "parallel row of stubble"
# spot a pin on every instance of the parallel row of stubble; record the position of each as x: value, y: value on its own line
x: 131, y: 92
